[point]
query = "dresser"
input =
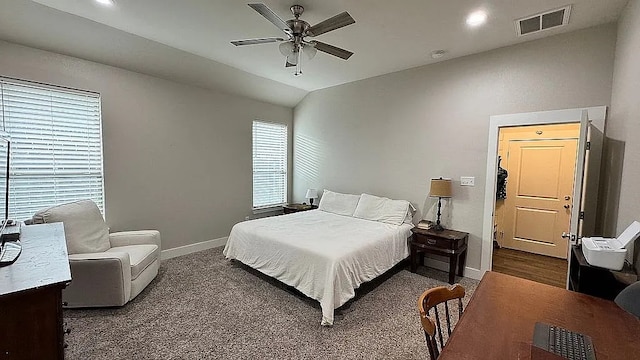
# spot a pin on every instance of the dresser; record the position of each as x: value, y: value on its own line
x: 31, y: 295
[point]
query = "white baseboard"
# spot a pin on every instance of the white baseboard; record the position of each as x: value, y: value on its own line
x: 444, y: 266
x: 191, y: 248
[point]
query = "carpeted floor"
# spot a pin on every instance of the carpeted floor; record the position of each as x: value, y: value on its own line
x: 202, y: 306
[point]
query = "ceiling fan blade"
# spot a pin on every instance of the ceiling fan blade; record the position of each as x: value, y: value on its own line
x: 332, y: 50
x: 336, y: 22
x: 256, y: 41
x: 268, y: 14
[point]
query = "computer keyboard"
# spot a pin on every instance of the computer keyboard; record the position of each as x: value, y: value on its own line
x: 10, y: 252
x: 563, y: 342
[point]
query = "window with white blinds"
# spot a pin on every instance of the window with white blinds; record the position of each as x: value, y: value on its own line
x: 56, y: 146
x: 269, y: 165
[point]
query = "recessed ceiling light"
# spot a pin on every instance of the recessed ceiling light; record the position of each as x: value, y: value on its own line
x: 106, y: 2
x: 476, y: 18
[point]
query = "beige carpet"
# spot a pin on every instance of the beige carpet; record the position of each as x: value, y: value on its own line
x: 202, y: 306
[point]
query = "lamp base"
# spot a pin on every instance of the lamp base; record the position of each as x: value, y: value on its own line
x: 437, y: 227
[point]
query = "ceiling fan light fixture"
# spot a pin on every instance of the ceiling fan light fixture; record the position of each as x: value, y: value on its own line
x: 309, y: 51
x: 286, y: 48
x: 293, y: 59
x: 295, y: 47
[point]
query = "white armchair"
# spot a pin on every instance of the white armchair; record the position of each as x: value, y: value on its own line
x: 106, y: 269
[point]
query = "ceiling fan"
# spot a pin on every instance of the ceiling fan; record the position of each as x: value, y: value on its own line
x: 294, y: 45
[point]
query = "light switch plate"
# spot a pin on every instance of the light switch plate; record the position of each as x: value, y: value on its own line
x: 467, y: 181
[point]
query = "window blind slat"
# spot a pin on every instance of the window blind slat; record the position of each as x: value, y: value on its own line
x: 56, y: 146
x: 269, y: 164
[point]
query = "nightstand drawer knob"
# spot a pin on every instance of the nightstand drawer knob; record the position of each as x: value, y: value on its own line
x: 431, y: 241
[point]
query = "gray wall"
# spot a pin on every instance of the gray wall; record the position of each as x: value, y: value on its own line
x: 177, y: 158
x: 390, y: 134
x: 623, y: 129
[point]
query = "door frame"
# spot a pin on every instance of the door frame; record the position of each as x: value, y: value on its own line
x: 597, y: 115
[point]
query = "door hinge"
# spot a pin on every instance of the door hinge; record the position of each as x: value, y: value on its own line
x: 588, y: 145
x: 581, y: 217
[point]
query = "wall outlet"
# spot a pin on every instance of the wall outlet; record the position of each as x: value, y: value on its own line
x: 467, y: 181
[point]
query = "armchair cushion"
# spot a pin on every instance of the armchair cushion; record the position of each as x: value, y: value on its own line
x: 140, y: 256
x: 84, y: 227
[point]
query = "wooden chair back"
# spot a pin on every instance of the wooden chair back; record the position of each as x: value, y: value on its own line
x: 432, y: 324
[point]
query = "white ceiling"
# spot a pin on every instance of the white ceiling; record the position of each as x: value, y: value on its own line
x: 388, y: 35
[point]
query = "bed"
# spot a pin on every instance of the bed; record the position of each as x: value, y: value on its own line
x: 323, y: 254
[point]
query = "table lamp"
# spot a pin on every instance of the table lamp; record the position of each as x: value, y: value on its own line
x: 440, y: 188
x: 311, y: 194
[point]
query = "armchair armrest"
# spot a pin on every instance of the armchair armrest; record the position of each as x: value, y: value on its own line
x: 98, y: 279
x: 139, y: 237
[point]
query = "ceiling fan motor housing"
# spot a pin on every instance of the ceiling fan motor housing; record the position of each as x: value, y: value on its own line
x: 298, y: 27
x: 297, y: 10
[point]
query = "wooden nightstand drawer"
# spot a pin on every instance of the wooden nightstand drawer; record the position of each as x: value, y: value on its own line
x: 446, y: 239
x: 433, y: 241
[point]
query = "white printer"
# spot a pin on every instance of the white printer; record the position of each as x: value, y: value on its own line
x: 610, y: 252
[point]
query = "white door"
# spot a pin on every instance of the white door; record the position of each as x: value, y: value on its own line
x: 585, y: 193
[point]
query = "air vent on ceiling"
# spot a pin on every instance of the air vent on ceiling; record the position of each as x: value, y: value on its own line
x: 543, y: 21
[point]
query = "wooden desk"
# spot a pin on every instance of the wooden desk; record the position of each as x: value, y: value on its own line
x: 498, y: 322
x: 31, y: 295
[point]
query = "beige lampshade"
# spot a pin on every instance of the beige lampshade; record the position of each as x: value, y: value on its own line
x: 311, y: 194
x: 440, y: 188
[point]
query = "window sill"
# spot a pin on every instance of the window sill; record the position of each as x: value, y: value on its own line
x: 269, y: 209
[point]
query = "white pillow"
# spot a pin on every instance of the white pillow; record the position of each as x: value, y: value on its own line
x: 381, y: 209
x: 337, y: 203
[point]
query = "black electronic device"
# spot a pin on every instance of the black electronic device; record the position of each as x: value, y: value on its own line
x: 563, y: 342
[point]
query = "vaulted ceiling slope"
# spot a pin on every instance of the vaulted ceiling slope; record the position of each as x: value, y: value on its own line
x: 31, y: 24
x: 189, y: 40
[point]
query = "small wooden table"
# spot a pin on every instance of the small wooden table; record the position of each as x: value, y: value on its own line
x: 292, y: 208
x: 450, y: 243
x: 499, y: 320
x: 596, y: 281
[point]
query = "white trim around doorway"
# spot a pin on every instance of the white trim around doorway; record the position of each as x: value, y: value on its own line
x: 597, y: 115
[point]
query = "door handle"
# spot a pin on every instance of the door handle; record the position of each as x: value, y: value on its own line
x: 567, y: 206
x: 570, y: 236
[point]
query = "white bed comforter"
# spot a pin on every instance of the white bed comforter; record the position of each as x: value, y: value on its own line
x: 323, y: 255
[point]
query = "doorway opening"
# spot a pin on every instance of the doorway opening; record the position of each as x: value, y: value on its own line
x: 583, y: 201
x: 536, y: 173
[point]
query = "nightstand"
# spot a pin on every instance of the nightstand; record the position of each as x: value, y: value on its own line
x: 292, y: 208
x: 450, y: 243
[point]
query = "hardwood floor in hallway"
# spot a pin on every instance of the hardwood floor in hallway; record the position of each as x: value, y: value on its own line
x: 543, y: 269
